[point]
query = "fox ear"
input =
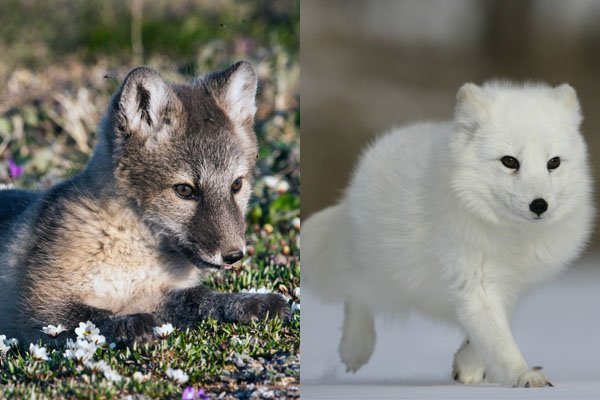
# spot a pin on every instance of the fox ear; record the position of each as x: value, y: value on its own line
x: 567, y: 96
x: 235, y: 90
x: 471, y: 106
x: 144, y: 103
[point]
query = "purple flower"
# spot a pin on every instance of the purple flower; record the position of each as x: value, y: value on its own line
x: 15, y: 170
x: 191, y: 393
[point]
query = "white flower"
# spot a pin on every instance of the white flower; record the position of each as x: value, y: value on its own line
x: 82, y: 344
x: 5, y: 344
x: 52, y: 330
x: 80, y: 350
x: 89, y: 332
x: 177, y: 375
x: 78, y: 355
x: 279, y: 185
x: 282, y: 187
x: 295, y: 307
x: 97, y: 366
x: 296, y: 223
x: 270, y: 181
x: 112, y: 375
x: 297, y: 292
x: 139, y: 377
x: 98, y: 340
x: 163, y: 331
x: 3, y: 347
x: 112, y: 345
x: 38, y: 353
x: 86, y: 330
x: 102, y: 366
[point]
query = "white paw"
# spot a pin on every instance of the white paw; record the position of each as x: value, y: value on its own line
x: 356, y: 349
x: 358, y: 337
x: 468, y: 367
x: 532, y: 378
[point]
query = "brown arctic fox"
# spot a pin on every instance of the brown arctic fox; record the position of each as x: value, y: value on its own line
x: 162, y: 200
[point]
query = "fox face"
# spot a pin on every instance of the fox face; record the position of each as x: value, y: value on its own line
x: 518, y: 152
x: 183, y: 156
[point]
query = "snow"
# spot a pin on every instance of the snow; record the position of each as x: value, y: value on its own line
x: 556, y: 326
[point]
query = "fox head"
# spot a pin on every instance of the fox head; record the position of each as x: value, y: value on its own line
x: 518, y: 153
x: 183, y: 156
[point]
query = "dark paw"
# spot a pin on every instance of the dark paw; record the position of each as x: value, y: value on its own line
x: 269, y: 305
x: 126, y: 329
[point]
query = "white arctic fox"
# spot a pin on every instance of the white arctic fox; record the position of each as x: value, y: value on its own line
x: 456, y: 220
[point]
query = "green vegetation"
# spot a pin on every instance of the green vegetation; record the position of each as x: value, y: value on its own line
x: 241, y: 361
x: 35, y: 33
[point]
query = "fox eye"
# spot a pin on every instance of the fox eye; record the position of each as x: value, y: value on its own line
x: 553, y: 163
x: 236, y: 185
x: 184, y: 191
x: 510, y: 162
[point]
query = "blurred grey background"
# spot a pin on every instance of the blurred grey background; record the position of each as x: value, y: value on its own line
x: 370, y: 64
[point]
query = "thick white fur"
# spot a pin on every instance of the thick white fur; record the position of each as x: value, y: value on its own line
x: 434, y: 222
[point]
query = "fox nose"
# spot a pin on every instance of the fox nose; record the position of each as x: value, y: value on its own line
x: 538, y: 206
x: 233, y: 256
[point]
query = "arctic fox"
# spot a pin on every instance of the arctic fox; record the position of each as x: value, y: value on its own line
x: 456, y: 220
x: 125, y: 242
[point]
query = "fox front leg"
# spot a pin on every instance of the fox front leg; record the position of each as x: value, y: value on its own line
x: 485, y: 319
x: 187, y: 306
x: 121, y: 329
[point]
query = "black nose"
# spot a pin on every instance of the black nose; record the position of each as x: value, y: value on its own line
x: 538, y: 206
x: 233, y: 256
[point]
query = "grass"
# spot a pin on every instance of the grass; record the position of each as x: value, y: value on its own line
x: 239, y: 361
x: 48, y: 119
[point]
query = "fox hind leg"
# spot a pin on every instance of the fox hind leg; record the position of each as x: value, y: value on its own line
x: 358, y: 336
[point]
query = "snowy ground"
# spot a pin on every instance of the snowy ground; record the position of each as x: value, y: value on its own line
x: 557, y: 326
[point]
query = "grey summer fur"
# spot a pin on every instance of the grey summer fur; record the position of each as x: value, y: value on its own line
x: 116, y: 244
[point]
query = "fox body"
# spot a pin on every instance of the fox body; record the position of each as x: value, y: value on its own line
x: 126, y: 242
x: 456, y: 220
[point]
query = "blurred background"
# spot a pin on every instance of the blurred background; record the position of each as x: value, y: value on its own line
x: 367, y: 65
x: 61, y: 60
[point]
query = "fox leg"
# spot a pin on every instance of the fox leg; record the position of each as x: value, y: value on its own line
x: 116, y: 328
x: 484, y: 317
x: 121, y: 329
x: 187, y: 306
x: 468, y: 366
x: 181, y: 307
x: 358, y: 336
